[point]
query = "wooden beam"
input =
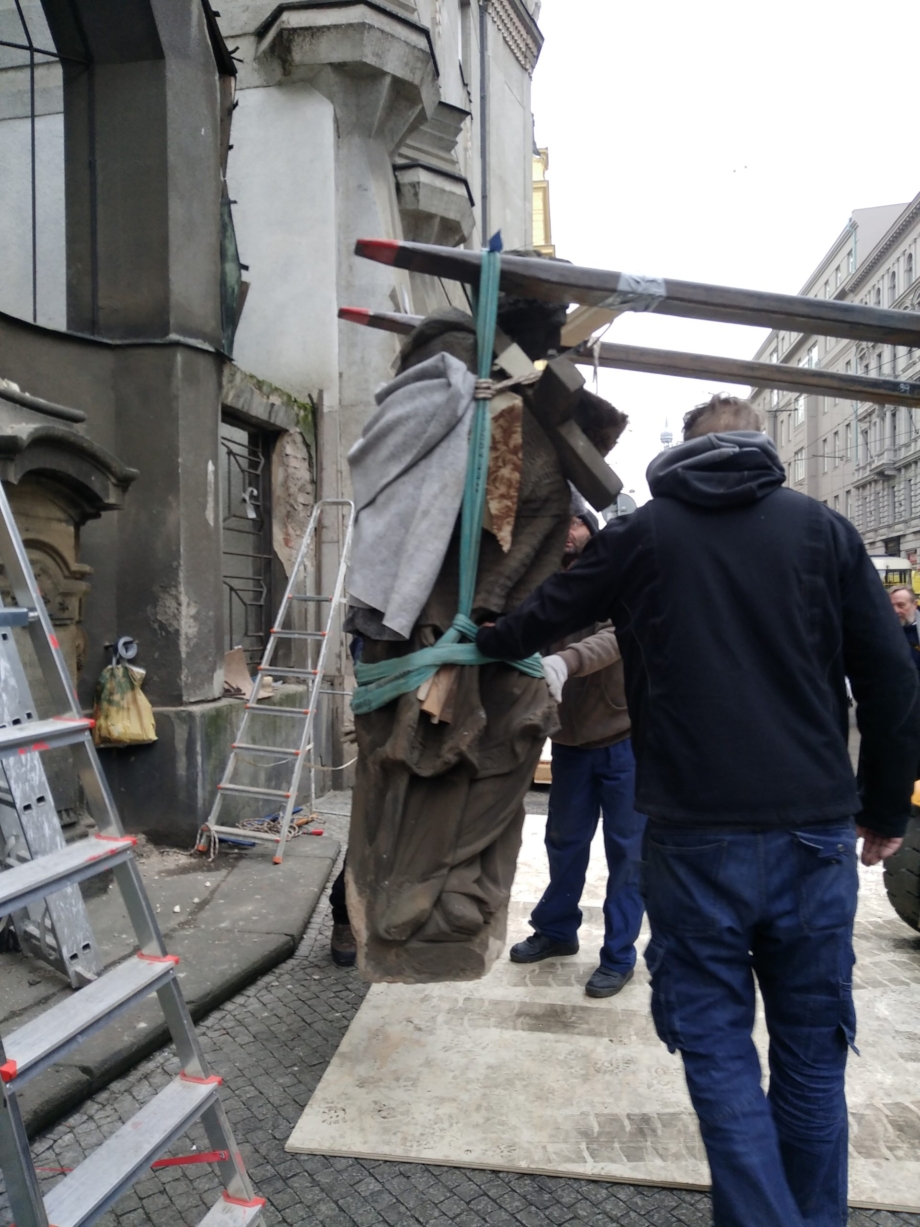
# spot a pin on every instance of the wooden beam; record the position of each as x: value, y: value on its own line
x: 554, y: 281
x: 386, y: 321
x: 756, y: 374
x: 682, y: 365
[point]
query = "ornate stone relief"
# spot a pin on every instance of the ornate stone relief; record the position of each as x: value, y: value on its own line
x: 517, y: 32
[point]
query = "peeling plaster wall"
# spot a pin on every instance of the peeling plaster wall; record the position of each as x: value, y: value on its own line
x: 293, y: 495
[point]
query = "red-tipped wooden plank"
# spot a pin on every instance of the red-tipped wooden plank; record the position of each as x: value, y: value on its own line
x: 354, y: 315
x: 681, y: 365
x: 384, y: 251
x: 554, y: 281
x: 387, y: 321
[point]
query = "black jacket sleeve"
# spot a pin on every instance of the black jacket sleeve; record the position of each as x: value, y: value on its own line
x: 569, y: 600
x: 885, y: 687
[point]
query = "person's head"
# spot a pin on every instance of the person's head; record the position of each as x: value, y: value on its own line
x: 534, y: 324
x: 904, y: 604
x: 579, y: 536
x: 582, y: 526
x: 721, y: 414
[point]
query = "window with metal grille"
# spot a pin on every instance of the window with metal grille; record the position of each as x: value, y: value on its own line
x: 245, y: 490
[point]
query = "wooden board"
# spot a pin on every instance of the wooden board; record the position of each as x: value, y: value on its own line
x: 555, y: 281
x: 683, y: 365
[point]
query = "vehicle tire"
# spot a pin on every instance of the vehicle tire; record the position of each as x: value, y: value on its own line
x: 902, y: 876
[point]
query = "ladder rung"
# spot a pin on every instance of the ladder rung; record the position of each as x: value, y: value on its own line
x: 42, y: 734
x: 43, y: 876
x: 338, y: 692
x: 297, y: 634
x: 299, y: 712
x: 231, y: 1212
x: 299, y: 597
x: 245, y: 833
x: 245, y: 791
x: 243, y: 745
x: 277, y: 672
x: 52, y: 1035
x: 101, y: 1179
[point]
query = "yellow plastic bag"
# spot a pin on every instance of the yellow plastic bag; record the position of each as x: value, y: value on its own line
x: 122, y: 711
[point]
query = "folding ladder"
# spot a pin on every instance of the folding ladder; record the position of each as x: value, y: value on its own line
x: 299, y: 624
x: 57, y: 929
x: 38, y: 866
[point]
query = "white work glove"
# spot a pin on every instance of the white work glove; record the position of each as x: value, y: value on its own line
x: 556, y: 671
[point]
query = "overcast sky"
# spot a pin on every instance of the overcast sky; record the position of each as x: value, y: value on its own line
x: 723, y: 141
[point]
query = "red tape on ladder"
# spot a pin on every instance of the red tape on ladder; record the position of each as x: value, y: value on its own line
x: 238, y: 1201
x: 206, y: 1156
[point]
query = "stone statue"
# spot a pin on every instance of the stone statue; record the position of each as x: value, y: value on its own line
x: 438, y: 801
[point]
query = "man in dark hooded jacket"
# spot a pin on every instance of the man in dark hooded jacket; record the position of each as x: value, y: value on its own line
x: 740, y: 608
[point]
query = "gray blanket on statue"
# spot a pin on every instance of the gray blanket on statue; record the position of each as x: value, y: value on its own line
x: 408, y: 470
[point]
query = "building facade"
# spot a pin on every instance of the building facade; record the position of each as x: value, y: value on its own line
x: 180, y: 196
x: 861, y: 459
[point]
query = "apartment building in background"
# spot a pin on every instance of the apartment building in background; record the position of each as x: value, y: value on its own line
x: 861, y: 459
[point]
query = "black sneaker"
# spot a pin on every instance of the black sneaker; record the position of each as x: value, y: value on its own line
x: 343, y: 948
x: 536, y: 947
x: 606, y: 983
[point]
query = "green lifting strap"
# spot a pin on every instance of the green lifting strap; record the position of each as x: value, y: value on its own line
x: 385, y: 681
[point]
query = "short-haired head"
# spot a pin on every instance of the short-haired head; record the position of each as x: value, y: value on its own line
x: 904, y: 603
x: 720, y: 414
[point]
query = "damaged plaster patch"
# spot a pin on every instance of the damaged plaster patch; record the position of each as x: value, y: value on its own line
x: 209, y: 507
x: 197, y: 683
x: 292, y: 495
x: 167, y: 609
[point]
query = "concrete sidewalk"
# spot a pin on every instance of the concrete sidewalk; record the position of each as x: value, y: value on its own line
x: 229, y: 920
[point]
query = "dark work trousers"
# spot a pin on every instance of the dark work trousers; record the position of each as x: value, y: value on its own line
x: 587, y: 784
x: 337, y: 899
x: 726, y: 908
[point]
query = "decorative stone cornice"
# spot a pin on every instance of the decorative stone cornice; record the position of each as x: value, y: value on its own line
x: 374, y: 64
x: 62, y: 454
x: 883, y: 248
x: 519, y: 30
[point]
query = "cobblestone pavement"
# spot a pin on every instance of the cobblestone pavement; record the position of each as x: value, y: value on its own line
x: 271, y: 1045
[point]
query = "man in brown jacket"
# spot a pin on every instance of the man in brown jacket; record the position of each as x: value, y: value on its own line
x: 593, y: 774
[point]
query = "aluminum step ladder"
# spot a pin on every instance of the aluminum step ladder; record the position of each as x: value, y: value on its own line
x: 57, y: 929
x: 300, y: 623
x: 40, y: 867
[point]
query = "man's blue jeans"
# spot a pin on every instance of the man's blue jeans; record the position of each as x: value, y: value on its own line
x: 586, y: 784
x: 726, y: 907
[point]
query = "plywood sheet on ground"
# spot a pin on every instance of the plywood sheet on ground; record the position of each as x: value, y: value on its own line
x: 521, y: 1071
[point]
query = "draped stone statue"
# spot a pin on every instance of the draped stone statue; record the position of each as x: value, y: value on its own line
x: 442, y: 773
